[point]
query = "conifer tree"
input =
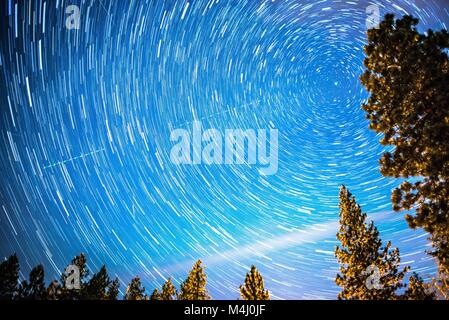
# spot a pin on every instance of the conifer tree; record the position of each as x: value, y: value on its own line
x: 96, y: 288
x: 34, y: 289
x: 155, y: 295
x: 135, y: 291
x: 407, y: 76
x: 194, y: 287
x: 79, y: 261
x: 9, y: 278
x: 113, y: 290
x: 253, y: 288
x: 417, y: 289
x: 168, y: 291
x: 54, y: 291
x: 368, y: 271
x: 441, y: 286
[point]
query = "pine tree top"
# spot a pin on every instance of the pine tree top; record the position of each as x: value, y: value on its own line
x: 362, y: 257
x: 194, y: 287
x: 253, y: 287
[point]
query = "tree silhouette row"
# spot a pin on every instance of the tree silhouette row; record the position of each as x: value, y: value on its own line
x: 100, y: 286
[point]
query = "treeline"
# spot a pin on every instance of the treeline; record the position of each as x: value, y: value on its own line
x: 80, y: 285
x: 369, y: 270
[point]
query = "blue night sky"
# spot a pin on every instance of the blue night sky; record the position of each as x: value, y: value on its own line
x: 85, y: 122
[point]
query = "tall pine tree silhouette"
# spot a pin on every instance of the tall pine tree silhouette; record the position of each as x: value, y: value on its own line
x: 96, y: 288
x: 168, y: 291
x: 9, y: 278
x: 135, y: 291
x: 113, y: 290
x: 368, y: 271
x: 194, y: 287
x: 34, y: 289
x: 80, y: 262
x: 407, y: 75
x: 155, y: 295
x: 253, y: 287
x: 418, y: 290
x: 54, y: 291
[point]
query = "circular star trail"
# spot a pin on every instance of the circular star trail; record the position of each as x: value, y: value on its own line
x: 86, y: 115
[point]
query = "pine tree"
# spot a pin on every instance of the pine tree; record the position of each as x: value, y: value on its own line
x: 194, y: 287
x: 96, y: 288
x: 113, y: 290
x: 441, y: 286
x: 417, y: 289
x: 407, y: 75
x: 253, y: 288
x: 54, y: 291
x: 168, y: 291
x: 79, y: 261
x: 368, y: 271
x: 155, y: 295
x: 9, y: 278
x: 135, y: 291
x: 34, y: 289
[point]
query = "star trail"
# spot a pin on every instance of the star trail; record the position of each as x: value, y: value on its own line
x: 86, y: 111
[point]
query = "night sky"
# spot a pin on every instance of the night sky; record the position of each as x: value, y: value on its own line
x: 85, y: 122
